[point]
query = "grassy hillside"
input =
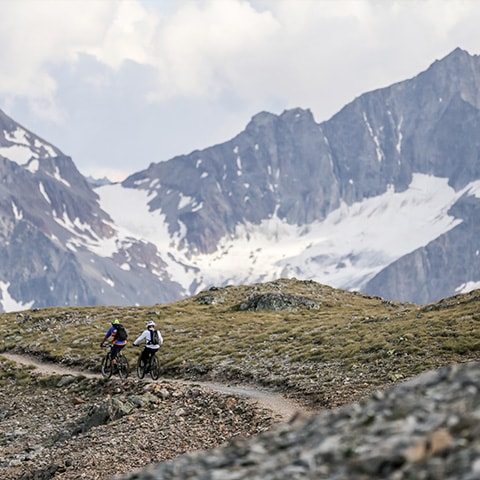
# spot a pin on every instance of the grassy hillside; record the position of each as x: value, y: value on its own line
x: 341, y: 349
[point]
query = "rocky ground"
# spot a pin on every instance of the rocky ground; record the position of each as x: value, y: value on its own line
x: 56, y: 424
x: 425, y: 429
x: 64, y: 426
x: 59, y: 424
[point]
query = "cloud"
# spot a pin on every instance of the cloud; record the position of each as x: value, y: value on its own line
x: 109, y: 81
x: 197, y: 52
x: 127, y: 36
x: 296, y: 50
x: 40, y: 34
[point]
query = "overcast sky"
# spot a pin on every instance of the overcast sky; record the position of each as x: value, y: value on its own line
x: 119, y: 84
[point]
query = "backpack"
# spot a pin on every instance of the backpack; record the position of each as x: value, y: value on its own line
x: 121, y: 334
x: 154, y: 338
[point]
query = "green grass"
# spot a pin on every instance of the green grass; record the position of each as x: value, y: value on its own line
x: 352, y: 341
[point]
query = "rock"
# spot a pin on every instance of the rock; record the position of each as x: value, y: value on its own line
x: 427, y: 428
x: 277, y: 301
x: 47, y: 433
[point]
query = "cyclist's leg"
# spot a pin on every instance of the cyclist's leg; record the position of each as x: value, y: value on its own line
x: 146, y: 359
x: 145, y: 355
x: 106, y: 366
x: 114, y: 353
x: 154, y: 365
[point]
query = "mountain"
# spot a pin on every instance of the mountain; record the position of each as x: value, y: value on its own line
x: 381, y: 198
x: 57, y: 246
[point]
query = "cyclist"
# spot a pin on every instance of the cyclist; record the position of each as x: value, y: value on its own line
x: 153, y: 339
x: 118, y: 333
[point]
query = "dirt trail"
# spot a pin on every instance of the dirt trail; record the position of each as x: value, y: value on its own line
x: 279, y: 405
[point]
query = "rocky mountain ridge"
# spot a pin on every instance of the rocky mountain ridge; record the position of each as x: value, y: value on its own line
x: 260, y: 206
x: 57, y: 245
x: 287, y: 174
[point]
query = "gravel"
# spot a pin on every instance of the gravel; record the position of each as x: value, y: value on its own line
x: 67, y: 426
x: 427, y: 428
x: 70, y: 427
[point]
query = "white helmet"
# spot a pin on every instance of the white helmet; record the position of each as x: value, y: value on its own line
x: 150, y: 324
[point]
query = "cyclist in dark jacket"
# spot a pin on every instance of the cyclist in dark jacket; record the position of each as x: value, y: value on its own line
x: 117, y: 344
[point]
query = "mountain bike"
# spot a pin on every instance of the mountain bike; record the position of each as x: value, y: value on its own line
x: 108, y: 368
x: 152, y: 366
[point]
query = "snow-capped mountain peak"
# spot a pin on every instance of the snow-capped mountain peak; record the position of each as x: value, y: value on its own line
x: 382, y: 198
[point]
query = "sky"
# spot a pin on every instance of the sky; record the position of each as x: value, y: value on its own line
x: 119, y: 84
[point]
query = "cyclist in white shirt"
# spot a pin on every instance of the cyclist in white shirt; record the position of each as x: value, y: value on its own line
x: 153, y: 339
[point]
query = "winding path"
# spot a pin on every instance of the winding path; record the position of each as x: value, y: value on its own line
x: 285, y: 408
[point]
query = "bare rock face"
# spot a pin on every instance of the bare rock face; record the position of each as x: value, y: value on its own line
x: 291, y: 167
x: 277, y: 301
x: 426, y: 428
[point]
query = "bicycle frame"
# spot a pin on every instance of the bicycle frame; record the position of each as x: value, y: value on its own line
x: 107, y: 368
x: 152, y: 366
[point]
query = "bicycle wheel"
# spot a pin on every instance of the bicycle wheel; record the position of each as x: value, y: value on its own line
x: 154, y: 368
x: 106, y: 366
x: 123, y: 368
x: 140, y: 367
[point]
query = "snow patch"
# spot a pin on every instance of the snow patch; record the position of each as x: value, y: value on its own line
x: 474, y: 189
x: 48, y: 148
x: 8, y: 303
x: 380, y: 156
x: 109, y: 281
x: 17, y: 136
x: 467, y: 287
x: 33, y: 165
x: 398, y: 146
x: 129, y: 210
x: 239, y: 166
x: 44, y: 193
x: 18, y: 214
x: 184, y: 201
x: 345, y: 250
x: 19, y: 154
x: 58, y: 177
x: 22, y: 150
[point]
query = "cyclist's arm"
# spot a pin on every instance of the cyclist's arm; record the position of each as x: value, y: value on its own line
x: 109, y: 332
x: 141, y: 337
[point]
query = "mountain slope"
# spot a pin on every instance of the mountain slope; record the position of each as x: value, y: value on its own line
x: 340, y: 202
x: 58, y: 247
x: 450, y: 261
x: 381, y: 198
